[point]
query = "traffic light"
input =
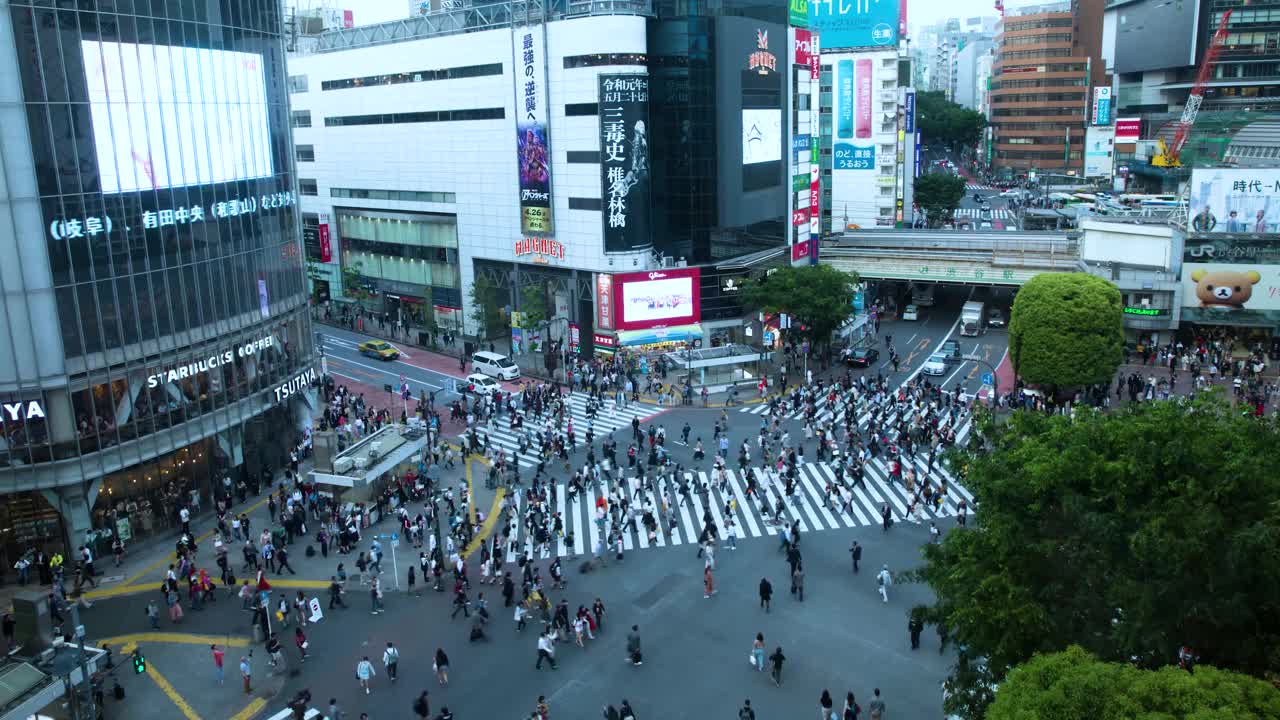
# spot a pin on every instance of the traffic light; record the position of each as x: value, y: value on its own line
x: 139, y: 662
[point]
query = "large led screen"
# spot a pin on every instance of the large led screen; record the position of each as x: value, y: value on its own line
x: 658, y: 298
x: 167, y: 116
x: 761, y: 135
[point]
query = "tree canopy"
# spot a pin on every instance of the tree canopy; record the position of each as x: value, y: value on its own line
x: 1074, y: 684
x: 1066, y: 330
x: 818, y: 296
x: 1129, y: 533
x: 938, y: 194
x: 941, y: 119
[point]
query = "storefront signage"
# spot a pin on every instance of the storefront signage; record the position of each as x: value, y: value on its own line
x: 798, y: 13
x: 910, y: 113
x: 92, y: 225
x: 533, y: 154
x: 326, y: 250
x: 575, y: 337
x: 604, y: 301
x: 624, y: 162
x: 815, y: 60
x: 296, y: 384
x: 801, y: 251
x: 799, y: 182
x: 545, y: 247
x: 1145, y: 311
x: 607, y: 341
x: 23, y: 410
x: 803, y: 47
x: 1102, y: 105
x: 761, y: 60
x: 800, y: 217
x: 204, y: 365
x: 1128, y: 130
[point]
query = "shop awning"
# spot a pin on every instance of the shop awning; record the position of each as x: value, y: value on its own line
x: 678, y: 333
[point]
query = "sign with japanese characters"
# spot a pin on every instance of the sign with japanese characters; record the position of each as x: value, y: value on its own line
x: 533, y: 151
x: 852, y: 157
x: 89, y: 226
x: 856, y: 23
x: 624, y: 161
x: 604, y: 301
x: 1227, y: 200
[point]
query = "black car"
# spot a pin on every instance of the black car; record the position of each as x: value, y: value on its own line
x: 950, y: 350
x: 862, y: 357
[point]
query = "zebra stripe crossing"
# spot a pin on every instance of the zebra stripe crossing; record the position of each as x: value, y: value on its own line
x: 609, y: 417
x: 992, y: 214
x: 809, y: 504
x: 977, y: 186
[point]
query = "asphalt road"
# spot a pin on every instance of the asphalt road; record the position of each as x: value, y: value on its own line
x: 345, y: 361
x: 840, y: 638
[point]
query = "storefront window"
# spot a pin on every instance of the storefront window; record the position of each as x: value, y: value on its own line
x: 145, y: 499
x: 24, y: 431
x: 27, y: 522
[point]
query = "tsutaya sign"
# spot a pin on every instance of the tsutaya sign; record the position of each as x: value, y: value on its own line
x: 204, y: 365
x: 23, y: 410
x: 296, y: 384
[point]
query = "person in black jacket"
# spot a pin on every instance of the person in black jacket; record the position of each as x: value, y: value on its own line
x: 766, y: 592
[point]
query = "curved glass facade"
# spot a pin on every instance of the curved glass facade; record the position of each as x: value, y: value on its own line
x: 159, y: 133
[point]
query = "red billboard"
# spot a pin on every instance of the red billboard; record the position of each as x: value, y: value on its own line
x: 1128, y: 130
x: 658, y: 298
x: 862, y: 86
x: 326, y: 250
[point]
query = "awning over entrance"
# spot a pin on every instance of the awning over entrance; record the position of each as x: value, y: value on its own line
x: 678, y: 333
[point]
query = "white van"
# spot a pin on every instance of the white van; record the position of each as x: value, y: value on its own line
x: 494, y: 365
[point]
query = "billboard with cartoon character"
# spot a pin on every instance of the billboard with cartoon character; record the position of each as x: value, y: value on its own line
x: 1229, y: 282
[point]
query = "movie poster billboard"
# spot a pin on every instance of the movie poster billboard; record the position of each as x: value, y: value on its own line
x: 533, y: 151
x: 624, y: 161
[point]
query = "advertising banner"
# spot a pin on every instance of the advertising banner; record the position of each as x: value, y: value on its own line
x: 862, y: 90
x: 604, y: 301
x: 798, y: 13
x: 851, y: 157
x: 658, y: 298
x: 1098, y: 146
x: 856, y: 23
x: 533, y: 152
x: 1102, y: 105
x: 624, y: 161
x: 844, y: 99
x: 800, y: 216
x: 917, y: 156
x: 800, y: 182
x: 815, y: 60
x: 910, y: 119
x: 801, y: 252
x: 1231, y: 281
x: 1235, y: 200
x: 326, y: 250
x: 803, y: 47
x: 1128, y: 130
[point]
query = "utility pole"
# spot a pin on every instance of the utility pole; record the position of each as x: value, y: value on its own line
x: 84, y: 669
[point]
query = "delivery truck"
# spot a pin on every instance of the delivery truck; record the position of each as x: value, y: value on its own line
x: 972, y: 318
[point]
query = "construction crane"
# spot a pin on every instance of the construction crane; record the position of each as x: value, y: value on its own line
x: 1169, y: 155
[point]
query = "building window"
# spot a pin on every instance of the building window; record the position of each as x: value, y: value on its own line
x: 305, y: 153
x: 581, y: 109
x: 454, y: 73
x: 585, y: 203
x: 307, y: 186
x: 886, y: 212
x: 585, y: 157
x: 300, y: 118
x: 297, y: 84
x: 416, y: 117
x: 397, y: 195
x: 599, y: 59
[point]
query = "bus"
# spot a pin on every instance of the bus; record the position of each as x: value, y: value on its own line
x: 1141, y: 200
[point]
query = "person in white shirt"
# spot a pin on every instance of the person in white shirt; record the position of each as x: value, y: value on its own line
x: 390, y: 658
x: 364, y: 673
x: 884, y: 580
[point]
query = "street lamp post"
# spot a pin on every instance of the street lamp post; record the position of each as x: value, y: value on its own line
x: 995, y: 378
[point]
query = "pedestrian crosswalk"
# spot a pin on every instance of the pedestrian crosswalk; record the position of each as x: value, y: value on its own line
x: 993, y: 214
x: 977, y: 186
x: 754, y: 515
x: 608, y: 418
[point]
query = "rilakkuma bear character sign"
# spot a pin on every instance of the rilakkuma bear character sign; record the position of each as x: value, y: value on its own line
x: 1224, y: 289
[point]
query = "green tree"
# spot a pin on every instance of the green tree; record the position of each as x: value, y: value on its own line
x: 533, y: 306
x: 1129, y: 533
x: 485, y: 312
x: 819, y: 297
x: 939, y: 119
x: 1075, y: 684
x: 353, y: 280
x: 1066, y: 330
x: 939, y: 194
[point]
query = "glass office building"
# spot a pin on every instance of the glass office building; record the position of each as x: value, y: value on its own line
x: 152, y: 293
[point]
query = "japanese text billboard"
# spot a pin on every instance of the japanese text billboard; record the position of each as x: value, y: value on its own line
x: 533, y: 153
x: 1235, y: 200
x: 624, y: 161
x: 855, y: 23
x: 658, y: 298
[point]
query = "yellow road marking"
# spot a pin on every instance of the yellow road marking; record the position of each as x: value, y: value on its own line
x: 253, y: 708
x: 281, y: 583
x: 128, y: 643
x: 167, y: 688
x: 106, y: 592
x: 487, y: 526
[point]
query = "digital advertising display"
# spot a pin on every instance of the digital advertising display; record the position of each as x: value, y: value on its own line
x: 761, y: 135
x: 1229, y: 200
x: 1231, y: 280
x: 856, y: 23
x: 657, y: 298
x: 155, y: 109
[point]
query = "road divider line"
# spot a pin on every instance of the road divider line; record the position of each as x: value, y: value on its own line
x: 127, y: 643
x: 251, y: 710
x: 167, y: 688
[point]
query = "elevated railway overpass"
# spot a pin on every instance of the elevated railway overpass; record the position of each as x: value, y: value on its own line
x: 943, y: 256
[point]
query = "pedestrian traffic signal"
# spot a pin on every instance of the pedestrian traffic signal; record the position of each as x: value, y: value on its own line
x: 139, y: 662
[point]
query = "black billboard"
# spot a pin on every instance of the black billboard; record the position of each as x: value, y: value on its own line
x: 1139, y: 23
x: 624, y: 161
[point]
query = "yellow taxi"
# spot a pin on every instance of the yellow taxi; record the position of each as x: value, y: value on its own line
x: 380, y: 349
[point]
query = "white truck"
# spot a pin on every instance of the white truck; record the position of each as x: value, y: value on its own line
x: 972, y: 318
